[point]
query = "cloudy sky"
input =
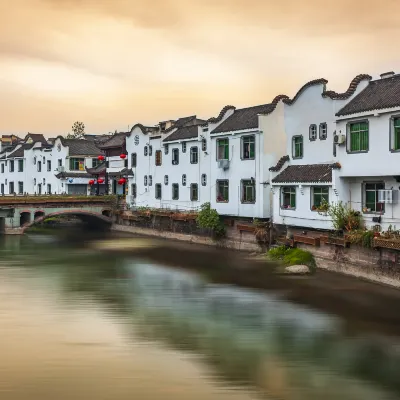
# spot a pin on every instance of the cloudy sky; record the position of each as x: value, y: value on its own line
x: 113, y: 63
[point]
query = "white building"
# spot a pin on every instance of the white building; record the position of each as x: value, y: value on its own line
x: 307, y: 173
x: 368, y: 129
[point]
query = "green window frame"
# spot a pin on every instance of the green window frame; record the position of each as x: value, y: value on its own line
x: 371, y: 197
x: 223, y: 149
x: 396, y: 134
x: 248, y: 147
x: 48, y: 188
x: 297, y: 151
x: 76, y: 164
x: 359, y: 137
x: 158, y: 191
x: 223, y: 191
x: 288, y: 197
x: 320, y: 195
x: 11, y: 168
x: 20, y: 187
x: 133, y: 190
x: 20, y: 165
x: 248, y: 191
x: 175, y: 191
x: 194, y: 192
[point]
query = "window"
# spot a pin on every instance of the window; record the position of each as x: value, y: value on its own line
x: 396, y: 134
x: 133, y: 160
x: 48, y: 165
x: 20, y: 187
x: 2, y: 168
x: 175, y: 191
x: 158, y: 191
x: 2, y: 188
x: 184, y: 147
x: 48, y: 188
x: 223, y: 149
x: 320, y: 195
x: 150, y: 180
x: 194, y: 192
x: 248, y: 191
x: 39, y: 166
x: 248, y: 147
x: 11, y: 165
x: 165, y: 179
x: 76, y: 164
x: 297, y: 151
x: 95, y: 162
x: 146, y: 150
x: 11, y: 187
x: 145, y: 180
x: 175, y: 156
x: 133, y: 190
x: 371, y: 197
x: 150, y: 150
x: 359, y: 137
x: 323, y: 131
x: 194, y: 155
x: 203, y: 179
x: 158, y: 157
x: 223, y: 191
x: 20, y: 165
x: 312, y: 131
x: 60, y: 162
x: 288, y: 197
x: 166, y: 149
x: 184, y: 180
x: 204, y: 144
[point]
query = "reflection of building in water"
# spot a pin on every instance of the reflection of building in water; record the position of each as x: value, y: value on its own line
x: 255, y: 338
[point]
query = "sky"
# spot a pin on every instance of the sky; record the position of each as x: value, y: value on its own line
x: 114, y: 63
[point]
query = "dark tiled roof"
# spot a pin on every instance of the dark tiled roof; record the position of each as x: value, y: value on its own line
x: 313, y: 173
x: 37, y: 137
x: 186, y: 132
x: 280, y: 164
x: 117, y: 140
x: 184, y: 121
x: 379, y: 94
x: 63, y: 175
x: 214, y: 120
x: 351, y: 89
x: 145, y: 129
x: 81, y: 147
x: 245, y: 118
x: 100, y: 169
x: 20, y: 152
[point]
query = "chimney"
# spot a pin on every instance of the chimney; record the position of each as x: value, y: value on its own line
x: 387, y: 74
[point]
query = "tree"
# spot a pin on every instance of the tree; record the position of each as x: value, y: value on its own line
x: 78, y: 131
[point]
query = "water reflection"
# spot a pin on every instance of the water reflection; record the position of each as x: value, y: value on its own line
x: 236, y: 338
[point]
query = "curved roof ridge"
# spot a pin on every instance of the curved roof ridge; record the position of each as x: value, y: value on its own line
x: 140, y: 126
x: 320, y: 81
x: 350, y: 90
x: 214, y: 120
x: 275, y: 102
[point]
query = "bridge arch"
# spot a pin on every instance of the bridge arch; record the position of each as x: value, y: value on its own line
x: 92, y: 219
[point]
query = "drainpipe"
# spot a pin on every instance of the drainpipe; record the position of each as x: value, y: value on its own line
x: 106, y: 177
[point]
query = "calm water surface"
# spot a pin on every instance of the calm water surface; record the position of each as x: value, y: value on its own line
x: 75, y: 324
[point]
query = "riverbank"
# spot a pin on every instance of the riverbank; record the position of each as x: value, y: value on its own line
x: 378, y: 266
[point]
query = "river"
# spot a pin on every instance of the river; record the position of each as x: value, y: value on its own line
x: 79, y: 324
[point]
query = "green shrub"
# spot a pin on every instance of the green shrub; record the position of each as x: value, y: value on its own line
x: 208, y: 218
x: 344, y: 217
x: 293, y: 257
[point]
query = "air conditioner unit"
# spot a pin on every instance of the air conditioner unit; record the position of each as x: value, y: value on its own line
x: 224, y: 164
x: 339, y: 139
x: 60, y: 169
x: 387, y: 196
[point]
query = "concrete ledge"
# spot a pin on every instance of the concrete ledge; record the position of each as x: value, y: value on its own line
x: 226, y: 243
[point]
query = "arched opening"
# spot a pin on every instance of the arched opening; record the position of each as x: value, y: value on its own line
x: 24, y: 218
x: 38, y: 214
x: 106, y: 213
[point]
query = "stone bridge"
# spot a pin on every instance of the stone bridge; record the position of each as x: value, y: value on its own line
x: 19, y: 213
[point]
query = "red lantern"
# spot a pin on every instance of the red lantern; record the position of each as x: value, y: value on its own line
x: 100, y: 180
x: 120, y: 182
x: 123, y: 180
x: 123, y: 156
x: 91, y: 182
x: 100, y: 158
